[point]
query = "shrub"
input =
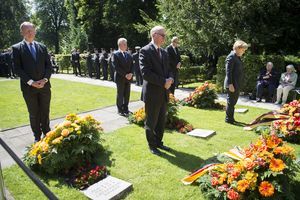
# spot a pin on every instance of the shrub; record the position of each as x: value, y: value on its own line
x: 203, y: 96
x: 252, y: 66
x: 71, y: 143
x: 64, y: 62
x: 185, y: 61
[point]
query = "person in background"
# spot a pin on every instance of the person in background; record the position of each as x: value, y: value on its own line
x: 267, y: 79
x: 104, y: 64
x: 96, y: 59
x: 174, y: 60
x: 123, y: 65
x: 136, y: 65
x: 287, y: 82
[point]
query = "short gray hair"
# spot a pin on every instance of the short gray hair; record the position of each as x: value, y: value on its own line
x: 155, y: 29
x: 26, y: 24
x: 291, y: 67
x: 120, y: 40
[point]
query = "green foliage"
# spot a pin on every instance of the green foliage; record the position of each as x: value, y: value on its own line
x: 188, y: 74
x: 252, y: 66
x: 12, y: 14
x: 71, y: 143
x: 290, y: 59
x: 185, y: 61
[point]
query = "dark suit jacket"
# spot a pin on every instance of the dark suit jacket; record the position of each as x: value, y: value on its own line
x: 273, y: 80
x: 122, y: 66
x: 155, y: 71
x: 136, y: 62
x: 27, y: 68
x: 234, y: 71
x: 174, y: 58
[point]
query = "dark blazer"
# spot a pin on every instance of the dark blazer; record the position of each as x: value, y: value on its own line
x: 155, y: 71
x: 28, y: 68
x: 274, y: 78
x: 234, y: 71
x: 122, y: 66
x: 174, y: 58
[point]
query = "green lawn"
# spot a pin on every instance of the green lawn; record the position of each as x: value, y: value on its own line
x: 67, y: 97
x: 153, y: 177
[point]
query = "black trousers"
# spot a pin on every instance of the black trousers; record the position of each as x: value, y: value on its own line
x: 111, y: 72
x: 104, y: 70
x: 155, y: 122
x: 38, y: 105
x: 77, y: 67
x: 123, y: 94
x: 138, y: 77
x: 232, y: 98
x: 260, y: 87
x: 175, y: 84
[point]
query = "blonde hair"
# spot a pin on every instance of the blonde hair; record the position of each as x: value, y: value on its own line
x: 291, y: 67
x: 240, y: 44
x: 174, y: 39
x: 26, y: 24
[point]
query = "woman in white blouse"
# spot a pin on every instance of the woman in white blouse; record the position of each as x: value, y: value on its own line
x: 287, y: 82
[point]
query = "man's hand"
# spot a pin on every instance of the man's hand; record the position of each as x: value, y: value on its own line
x: 37, y: 84
x: 266, y: 77
x: 178, y: 65
x: 231, y: 88
x: 128, y: 76
x: 168, y: 83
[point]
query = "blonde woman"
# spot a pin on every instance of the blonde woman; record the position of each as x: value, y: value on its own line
x: 287, y: 82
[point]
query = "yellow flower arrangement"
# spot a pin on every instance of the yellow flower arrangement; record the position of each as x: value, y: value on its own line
x: 266, y: 189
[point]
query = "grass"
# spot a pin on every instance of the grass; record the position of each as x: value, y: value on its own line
x: 153, y: 177
x: 66, y: 97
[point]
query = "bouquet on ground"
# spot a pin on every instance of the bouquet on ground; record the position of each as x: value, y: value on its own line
x: 263, y: 170
x: 203, y: 96
x: 71, y: 143
x: 291, y: 108
x: 172, y: 121
x: 288, y: 129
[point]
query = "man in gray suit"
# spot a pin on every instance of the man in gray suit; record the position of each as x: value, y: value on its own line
x: 234, y: 78
x: 158, y: 79
x: 32, y: 64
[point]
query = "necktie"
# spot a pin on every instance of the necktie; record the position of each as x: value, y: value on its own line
x: 125, y: 56
x: 158, y: 52
x: 32, y: 50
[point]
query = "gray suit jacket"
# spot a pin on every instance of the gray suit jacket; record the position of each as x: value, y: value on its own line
x: 234, y: 71
x: 155, y: 71
x: 29, y: 68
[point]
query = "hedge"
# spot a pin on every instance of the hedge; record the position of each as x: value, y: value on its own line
x: 64, y: 63
x: 252, y: 66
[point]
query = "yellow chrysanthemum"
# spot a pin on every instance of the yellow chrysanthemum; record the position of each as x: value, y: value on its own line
x: 65, y: 132
x: 39, y: 157
x: 242, y: 185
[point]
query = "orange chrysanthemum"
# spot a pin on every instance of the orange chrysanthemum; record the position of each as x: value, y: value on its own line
x: 242, y: 185
x: 276, y: 165
x: 266, y: 189
x: 233, y: 195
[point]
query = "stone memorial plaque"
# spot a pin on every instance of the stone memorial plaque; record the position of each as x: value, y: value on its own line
x: 241, y: 110
x: 201, y: 133
x: 110, y: 188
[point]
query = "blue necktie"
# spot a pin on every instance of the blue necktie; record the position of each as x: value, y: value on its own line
x: 125, y: 56
x: 32, y: 50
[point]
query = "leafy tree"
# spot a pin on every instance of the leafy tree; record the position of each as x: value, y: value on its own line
x: 52, y: 16
x: 12, y: 14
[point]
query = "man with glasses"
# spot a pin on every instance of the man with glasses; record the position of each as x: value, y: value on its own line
x: 32, y: 64
x: 175, y: 61
x: 158, y: 79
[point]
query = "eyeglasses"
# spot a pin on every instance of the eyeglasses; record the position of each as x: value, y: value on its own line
x: 162, y: 35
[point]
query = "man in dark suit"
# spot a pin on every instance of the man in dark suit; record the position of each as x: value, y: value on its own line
x: 32, y: 64
x: 234, y: 78
x: 158, y: 79
x: 123, y: 65
x: 175, y: 61
x: 136, y: 66
x: 268, y: 78
x: 96, y: 59
x: 75, y: 58
x: 104, y: 64
x: 110, y: 66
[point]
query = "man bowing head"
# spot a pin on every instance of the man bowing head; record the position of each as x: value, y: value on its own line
x: 155, y: 92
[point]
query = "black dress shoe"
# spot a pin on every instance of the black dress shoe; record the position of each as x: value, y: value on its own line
x: 121, y: 114
x: 258, y: 100
x: 229, y: 122
x: 155, y: 151
x: 163, y: 147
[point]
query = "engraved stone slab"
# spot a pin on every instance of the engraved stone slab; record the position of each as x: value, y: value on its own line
x: 201, y: 133
x: 110, y: 188
x: 241, y: 110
